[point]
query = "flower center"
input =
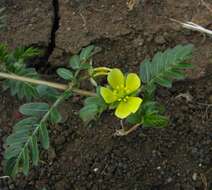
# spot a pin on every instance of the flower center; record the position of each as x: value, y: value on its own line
x: 122, y: 93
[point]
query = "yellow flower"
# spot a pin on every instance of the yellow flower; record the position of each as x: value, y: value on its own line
x: 121, y: 90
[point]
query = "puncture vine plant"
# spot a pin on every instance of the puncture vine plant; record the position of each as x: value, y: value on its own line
x: 130, y: 95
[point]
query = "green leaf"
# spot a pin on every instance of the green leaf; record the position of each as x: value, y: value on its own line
x: 88, y: 112
x: 3, y: 52
x: 85, y: 66
x: 165, y: 67
x: 22, y: 89
x: 13, y: 62
x: 147, y: 108
x: 12, y: 151
x: 163, y: 82
x: 184, y: 66
x: 94, y: 100
x: 29, y: 121
x: 135, y: 118
x: 25, y: 157
x: 44, y: 136
x: 155, y: 120
x: 34, y: 109
x: 86, y: 53
x: 24, y: 54
x: 75, y: 62
x: 175, y: 74
x: 145, y: 73
x: 65, y: 74
x: 35, y: 150
x: 94, y: 105
x: 47, y: 92
x: 55, y: 116
x: 11, y: 167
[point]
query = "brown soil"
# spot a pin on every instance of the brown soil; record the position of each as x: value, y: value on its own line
x: 178, y: 157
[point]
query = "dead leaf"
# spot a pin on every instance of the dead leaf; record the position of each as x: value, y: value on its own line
x: 131, y: 4
x: 186, y: 95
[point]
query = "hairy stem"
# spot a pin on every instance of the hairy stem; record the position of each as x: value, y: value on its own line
x: 56, y: 103
x: 123, y: 132
x: 46, y: 83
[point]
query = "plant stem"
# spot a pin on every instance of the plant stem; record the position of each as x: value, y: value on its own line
x: 56, y: 103
x: 123, y: 132
x: 102, y: 69
x: 46, y: 83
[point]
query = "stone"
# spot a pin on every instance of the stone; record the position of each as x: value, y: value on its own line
x: 160, y: 40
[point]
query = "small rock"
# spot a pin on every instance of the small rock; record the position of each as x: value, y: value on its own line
x: 194, y: 176
x: 169, y: 180
x: 160, y: 40
x: 138, y: 41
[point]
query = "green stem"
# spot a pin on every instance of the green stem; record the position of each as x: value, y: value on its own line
x: 56, y: 103
x: 102, y: 69
x: 100, y: 74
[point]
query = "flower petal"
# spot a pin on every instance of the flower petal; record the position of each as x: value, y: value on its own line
x: 122, y: 111
x: 116, y: 78
x: 134, y: 103
x: 133, y: 82
x: 107, y: 95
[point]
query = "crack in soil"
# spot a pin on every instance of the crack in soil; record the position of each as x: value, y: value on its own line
x: 55, y: 27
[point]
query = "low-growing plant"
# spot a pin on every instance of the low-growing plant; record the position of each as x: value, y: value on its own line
x: 131, y: 95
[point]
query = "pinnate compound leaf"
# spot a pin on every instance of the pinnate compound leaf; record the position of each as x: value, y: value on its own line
x: 22, y: 89
x: 22, y: 146
x: 166, y: 66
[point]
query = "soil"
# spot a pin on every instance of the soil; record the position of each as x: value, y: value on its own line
x: 178, y: 157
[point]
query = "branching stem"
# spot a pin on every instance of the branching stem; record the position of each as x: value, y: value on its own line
x: 122, y: 132
x: 46, y: 83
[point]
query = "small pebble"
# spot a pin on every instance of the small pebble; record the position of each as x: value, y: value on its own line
x: 158, y: 168
x: 194, y: 176
x: 160, y: 40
